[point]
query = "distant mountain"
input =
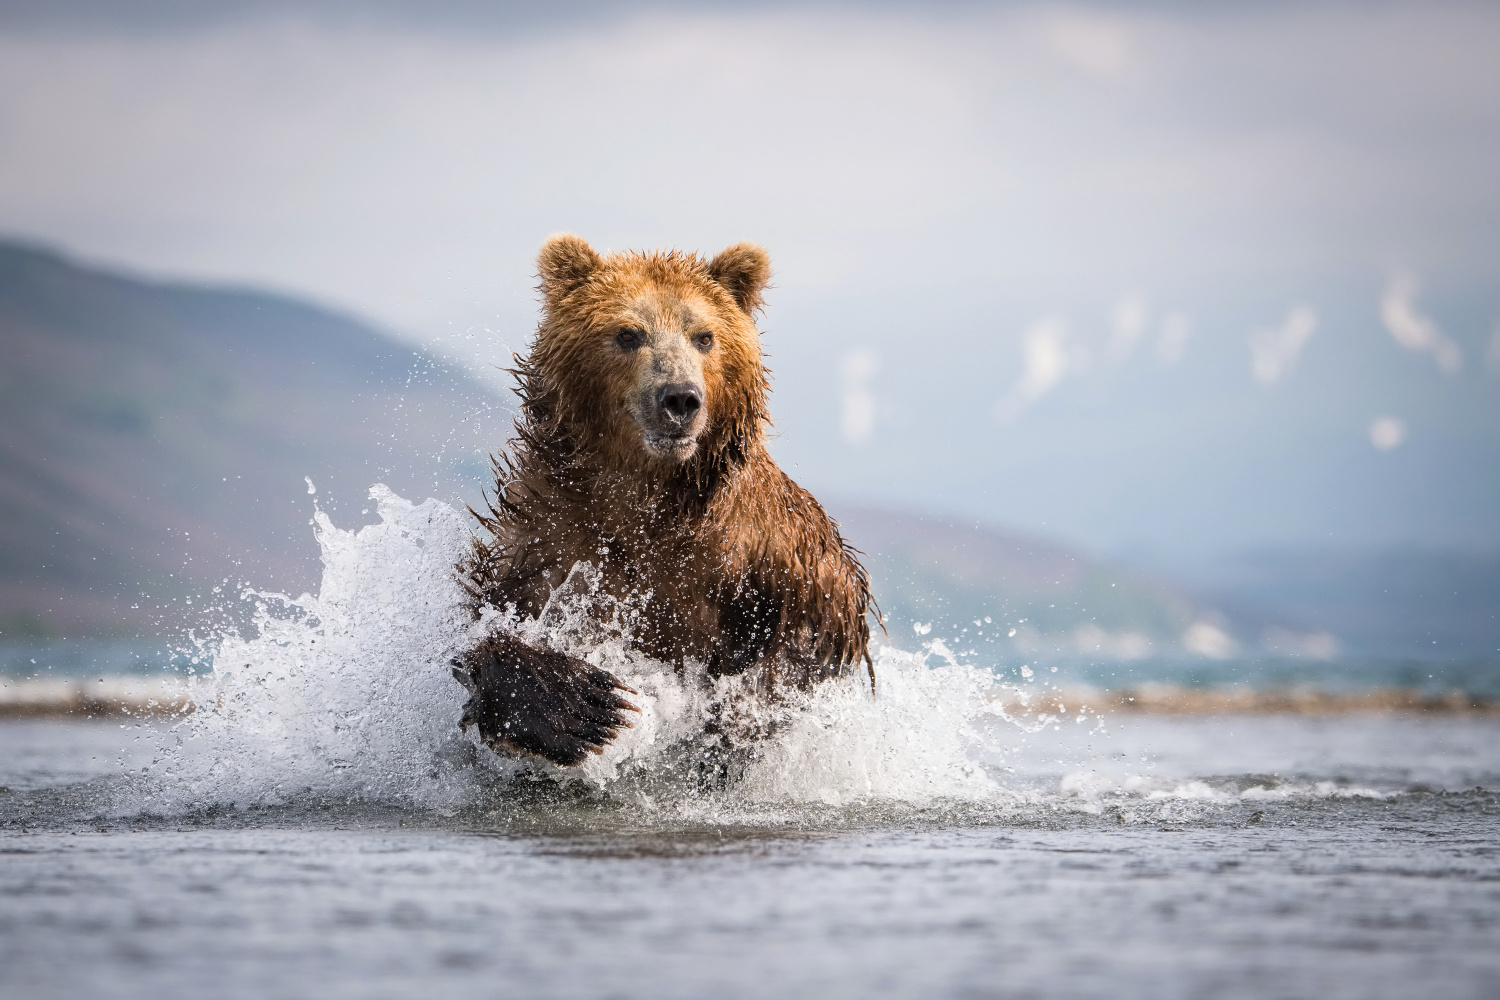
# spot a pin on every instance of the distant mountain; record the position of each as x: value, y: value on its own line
x: 973, y: 584
x: 1424, y: 603
x: 1287, y: 604
x: 154, y: 438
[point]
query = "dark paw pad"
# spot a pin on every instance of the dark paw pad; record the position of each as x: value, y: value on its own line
x: 538, y: 701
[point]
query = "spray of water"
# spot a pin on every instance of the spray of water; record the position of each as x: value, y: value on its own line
x: 346, y: 698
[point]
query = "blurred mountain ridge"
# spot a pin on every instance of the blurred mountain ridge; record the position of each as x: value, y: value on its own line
x: 1419, y: 601
x: 960, y: 579
x: 942, y: 576
x: 154, y: 440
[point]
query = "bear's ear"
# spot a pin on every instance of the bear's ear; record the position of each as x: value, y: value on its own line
x: 743, y: 270
x: 566, y: 261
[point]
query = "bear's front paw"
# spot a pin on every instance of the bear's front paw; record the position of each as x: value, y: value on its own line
x: 538, y: 701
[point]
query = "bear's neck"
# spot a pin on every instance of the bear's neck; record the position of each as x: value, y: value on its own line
x: 681, y: 494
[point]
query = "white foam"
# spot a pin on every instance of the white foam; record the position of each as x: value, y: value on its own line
x: 346, y: 694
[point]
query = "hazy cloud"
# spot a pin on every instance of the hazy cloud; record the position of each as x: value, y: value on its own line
x: 859, y: 403
x: 1172, y: 340
x: 1274, y: 352
x: 1125, y: 645
x: 1319, y: 645
x: 409, y: 169
x: 1098, y: 43
x: 1046, y: 358
x: 1387, y: 433
x: 1127, y: 323
x: 1492, y: 352
x: 1207, y: 639
x: 1412, y: 330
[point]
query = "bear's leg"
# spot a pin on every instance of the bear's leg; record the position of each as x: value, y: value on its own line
x: 534, y: 700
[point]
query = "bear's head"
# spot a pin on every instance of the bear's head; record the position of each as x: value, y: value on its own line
x: 650, y: 360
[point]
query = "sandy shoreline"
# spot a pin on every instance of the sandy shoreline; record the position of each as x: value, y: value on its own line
x: 168, y: 696
x: 99, y: 696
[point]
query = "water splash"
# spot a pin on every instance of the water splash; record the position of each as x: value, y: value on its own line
x: 347, y: 696
x: 342, y: 695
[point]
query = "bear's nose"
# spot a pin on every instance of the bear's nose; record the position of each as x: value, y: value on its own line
x: 680, y: 401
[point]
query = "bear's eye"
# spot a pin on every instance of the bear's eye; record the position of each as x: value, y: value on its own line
x: 704, y: 340
x: 629, y: 339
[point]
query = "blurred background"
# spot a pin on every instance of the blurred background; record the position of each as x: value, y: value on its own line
x: 1160, y: 341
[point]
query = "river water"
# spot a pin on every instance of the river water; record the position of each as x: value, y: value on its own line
x: 319, y: 827
x: 1248, y: 857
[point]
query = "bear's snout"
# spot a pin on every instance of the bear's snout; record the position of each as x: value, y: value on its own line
x: 673, y: 415
x: 679, y: 403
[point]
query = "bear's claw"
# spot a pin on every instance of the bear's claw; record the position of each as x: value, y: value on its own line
x: 533, y: 700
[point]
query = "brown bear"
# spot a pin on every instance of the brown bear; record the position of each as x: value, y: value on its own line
x: 640, y: 448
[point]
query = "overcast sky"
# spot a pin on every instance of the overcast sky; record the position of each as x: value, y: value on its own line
x: 984, y: 220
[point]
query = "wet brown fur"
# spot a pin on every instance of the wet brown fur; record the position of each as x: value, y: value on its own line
x: 725, y: 559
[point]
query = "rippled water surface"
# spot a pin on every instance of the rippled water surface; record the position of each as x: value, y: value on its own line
x: 1370, y: 866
